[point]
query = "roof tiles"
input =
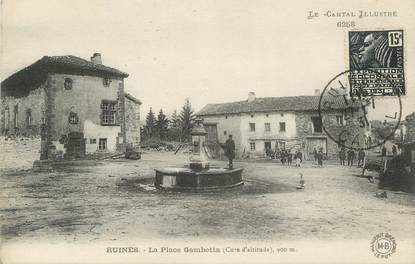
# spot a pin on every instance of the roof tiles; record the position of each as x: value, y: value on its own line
x: 270, y: 104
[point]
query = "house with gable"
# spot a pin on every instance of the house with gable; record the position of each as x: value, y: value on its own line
x: 76, y: 106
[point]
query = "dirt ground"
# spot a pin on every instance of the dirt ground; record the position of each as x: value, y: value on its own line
x: 114, y: 200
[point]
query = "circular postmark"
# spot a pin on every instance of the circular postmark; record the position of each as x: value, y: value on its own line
x: 356, y: 119
x: 383, y: 245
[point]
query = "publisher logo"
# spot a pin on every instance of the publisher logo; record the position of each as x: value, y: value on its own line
x: 383, y: 245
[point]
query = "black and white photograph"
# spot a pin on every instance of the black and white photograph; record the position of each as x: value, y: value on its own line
x: 182, y: 131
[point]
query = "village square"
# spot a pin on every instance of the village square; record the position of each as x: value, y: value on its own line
x: 81, y: 162
x: 207, y: 131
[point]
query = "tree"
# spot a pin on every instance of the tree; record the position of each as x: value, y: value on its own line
x: 162, y: 125
x: 150, y: 124
x: 174, y: 120
x: 186, y: 119
x: 382, y: 131
x: 174, y: 132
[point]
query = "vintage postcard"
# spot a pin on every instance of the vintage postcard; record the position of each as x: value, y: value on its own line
x: 182, y: 131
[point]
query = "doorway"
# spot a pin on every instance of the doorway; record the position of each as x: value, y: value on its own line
x: 75, y: 147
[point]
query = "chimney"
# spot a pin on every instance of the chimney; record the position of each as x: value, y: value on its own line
x: 317, y: 92
x: 251, y: 97
x: 96, y: 58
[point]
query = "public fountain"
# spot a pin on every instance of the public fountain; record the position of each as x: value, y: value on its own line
x: 199, y: 176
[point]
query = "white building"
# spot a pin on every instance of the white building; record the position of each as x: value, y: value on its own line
x: 272, y: 122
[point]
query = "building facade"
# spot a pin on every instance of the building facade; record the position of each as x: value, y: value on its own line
x: 77, y: 107
x: 275, y: 122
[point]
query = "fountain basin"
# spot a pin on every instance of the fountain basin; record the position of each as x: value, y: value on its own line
x: 203, y: 180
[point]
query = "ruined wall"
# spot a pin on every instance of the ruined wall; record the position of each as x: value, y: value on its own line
x: 31, y: 110
x: 84, y: 99
x: 311, y: 139
x: 307, y: 135
x: 132, y: 123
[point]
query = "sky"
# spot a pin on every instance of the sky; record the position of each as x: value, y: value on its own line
x: 207, y: 51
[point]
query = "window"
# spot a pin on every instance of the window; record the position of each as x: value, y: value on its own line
x: 317, y: 124
x: 252, y: 145
x: 28, y: 118
x: 225, y: 133
x: 266, y: 115
x: 267, y: 145
x: 92, y: 141
x: 339, y: 120
x: 281, y: 145
x: 16, y: 115
x: 106, y: 82
x: 252, y: 127
x: 73, y: 118
x: 67, y: 84
x: 252, y: 115
x: 282, y: 126
x: 102, y: 144
x: 109, y: 111
x: 226, y: 117
x: 267, y: 127
x: 282, y: 114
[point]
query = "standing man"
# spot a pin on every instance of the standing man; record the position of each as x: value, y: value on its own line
x: 320, y: 157
x: 315, y: 155
x: 289, y: 157
x: 298, y: 158
x: 360, y: 158
x: 350, y: 157
x: 229, y: 148
x: 342, y: 156
x: 283, y: 156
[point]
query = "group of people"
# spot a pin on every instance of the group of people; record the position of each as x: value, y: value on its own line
x: 319, y: 156
x: 286, y: 156
x: 351, y: 156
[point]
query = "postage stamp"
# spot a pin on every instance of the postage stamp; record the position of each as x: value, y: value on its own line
x: 376, y: 61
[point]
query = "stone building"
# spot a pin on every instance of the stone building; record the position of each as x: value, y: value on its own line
x: 76, y: 106
x: 273, y: 122
x: 409, y: 128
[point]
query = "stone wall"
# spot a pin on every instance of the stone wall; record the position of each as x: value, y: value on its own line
x: 18, y: 153
x: 84, y: 99
x: 121, y: 139
x: 132, y: 123
x: 45, y: 111
x: 306, y: 134
x: 304, y: 128
x: 30, y: 113
x: 410, y: 128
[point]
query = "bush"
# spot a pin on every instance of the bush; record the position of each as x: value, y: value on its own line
x: 155, y: 144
